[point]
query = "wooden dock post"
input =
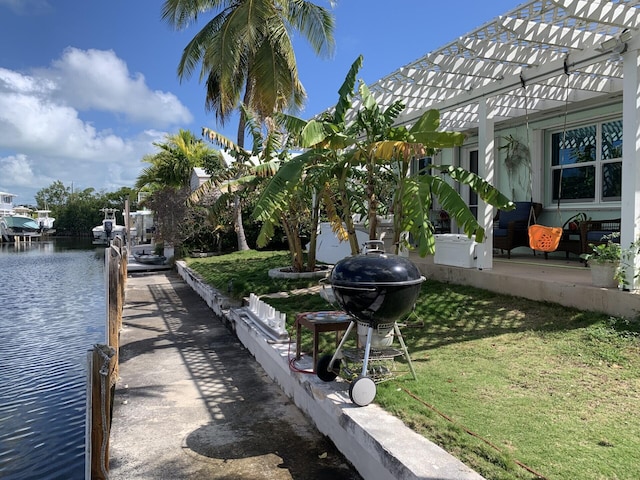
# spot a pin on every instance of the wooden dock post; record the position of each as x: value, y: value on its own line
x: 103, y: 363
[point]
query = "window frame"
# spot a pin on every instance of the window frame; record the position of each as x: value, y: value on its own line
x: 598, y: 163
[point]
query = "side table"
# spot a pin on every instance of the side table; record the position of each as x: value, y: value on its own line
x: 318, y: 322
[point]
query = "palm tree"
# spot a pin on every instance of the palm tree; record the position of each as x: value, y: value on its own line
x: 245, y: 51
x: 246, y: 173
x: 173, y: 164
x: 168, y: 177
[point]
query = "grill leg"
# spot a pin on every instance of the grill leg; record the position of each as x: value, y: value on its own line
x: 344, y: 339
x: 367, y: 349
x: 404, y: 349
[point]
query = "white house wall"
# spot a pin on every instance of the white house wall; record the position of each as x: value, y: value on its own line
x: 519, y: 188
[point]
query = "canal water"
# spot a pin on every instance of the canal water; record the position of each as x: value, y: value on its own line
x: 52, y: 311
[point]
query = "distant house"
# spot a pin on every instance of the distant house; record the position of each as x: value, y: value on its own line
x: 198, y: 178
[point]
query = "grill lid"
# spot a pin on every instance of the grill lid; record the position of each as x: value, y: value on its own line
x: 375, y: 269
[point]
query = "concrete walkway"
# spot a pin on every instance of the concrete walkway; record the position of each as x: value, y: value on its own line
x: 192, y: 403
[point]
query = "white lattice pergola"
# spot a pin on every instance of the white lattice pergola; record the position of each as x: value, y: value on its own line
x: 534, y: 43
x: 538, y: 57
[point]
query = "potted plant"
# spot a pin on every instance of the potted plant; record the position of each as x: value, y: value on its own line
x: 627, y: 261
x: 517, y: 155
x: 604, y: 261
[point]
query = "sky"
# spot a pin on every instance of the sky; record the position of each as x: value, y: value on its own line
x: 87, y: 87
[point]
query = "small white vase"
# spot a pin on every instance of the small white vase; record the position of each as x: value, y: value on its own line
x: 602, y: 274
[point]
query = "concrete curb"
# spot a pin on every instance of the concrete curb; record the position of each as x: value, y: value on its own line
x: 378, y: 444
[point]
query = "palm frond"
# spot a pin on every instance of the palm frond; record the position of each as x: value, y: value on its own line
x: 224, y: 142
x: 314, y: 22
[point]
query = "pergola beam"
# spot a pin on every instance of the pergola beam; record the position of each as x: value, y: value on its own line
x: 602, y: 12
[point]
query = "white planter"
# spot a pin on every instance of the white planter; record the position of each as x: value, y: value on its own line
x: 455, y: 250
x: 602, y: 274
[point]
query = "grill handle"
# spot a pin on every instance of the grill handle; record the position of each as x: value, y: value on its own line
x: 373, y: 246
x: 359, y: 289
x: 373, y: 286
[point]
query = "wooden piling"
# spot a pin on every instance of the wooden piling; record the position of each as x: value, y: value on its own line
x: 103, y: 363
x: 103, y: 366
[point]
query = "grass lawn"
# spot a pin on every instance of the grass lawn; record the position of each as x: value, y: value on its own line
x: 512, y: 387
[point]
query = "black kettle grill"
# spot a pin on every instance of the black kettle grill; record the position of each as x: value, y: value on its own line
x: 376, y: 289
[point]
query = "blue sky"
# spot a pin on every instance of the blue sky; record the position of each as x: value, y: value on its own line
x: 86, y: 87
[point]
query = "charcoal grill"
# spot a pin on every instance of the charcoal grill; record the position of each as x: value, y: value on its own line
x: 376, y: 289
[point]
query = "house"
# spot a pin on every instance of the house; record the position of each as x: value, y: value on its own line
x: 198, y: 178
x: 562, y: 78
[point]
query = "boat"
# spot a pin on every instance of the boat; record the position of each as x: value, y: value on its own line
x: 12, y: 226
x: 15, y: 222
x: 44, y: 221
x: 149, y: 258
x: 108, y: 229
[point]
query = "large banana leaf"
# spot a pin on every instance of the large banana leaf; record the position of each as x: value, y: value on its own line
x: 425, y: 132
x: 385, y: 151
x: 417, y: 192
x: 484, y: 189
x: 289, y: 173
x: 346, y: 92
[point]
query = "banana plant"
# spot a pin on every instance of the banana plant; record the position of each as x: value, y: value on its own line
x: 413, y: 195
x: 384, y: 147
x: 351, y: 157
x: 322, y: 172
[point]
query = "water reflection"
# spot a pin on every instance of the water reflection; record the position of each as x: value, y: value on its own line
x: 53, y: 310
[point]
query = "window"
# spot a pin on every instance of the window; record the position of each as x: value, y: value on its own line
x: 586, y: 163
x: 420, y: 165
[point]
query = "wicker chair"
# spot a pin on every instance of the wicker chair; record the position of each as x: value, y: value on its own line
x: 592, y: 231
x: 511, y: 231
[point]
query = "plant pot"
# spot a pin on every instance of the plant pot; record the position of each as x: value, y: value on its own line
x: 602, y: 274
x: 286, y: 272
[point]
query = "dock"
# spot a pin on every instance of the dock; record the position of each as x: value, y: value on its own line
x: 192, y: 402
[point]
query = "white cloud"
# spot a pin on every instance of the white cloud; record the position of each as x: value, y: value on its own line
x: 52, y: 123
x: 99, y: 80
x: 26, y: 6
x: 16, y: 170
x: 118, y: 165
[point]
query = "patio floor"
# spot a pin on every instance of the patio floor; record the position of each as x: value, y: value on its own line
x: 556, y: 279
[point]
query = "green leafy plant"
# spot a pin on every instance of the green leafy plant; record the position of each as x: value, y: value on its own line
x: 516, y: 155
x: 627, y: 262
x: 609, y: 252
x: 348, y: 151
x: 613, y: 252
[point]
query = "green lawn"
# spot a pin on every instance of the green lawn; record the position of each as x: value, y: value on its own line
x: 509, y: 386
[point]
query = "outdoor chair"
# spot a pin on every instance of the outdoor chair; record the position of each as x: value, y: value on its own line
x: 511, y: 230
x: 592, y: 231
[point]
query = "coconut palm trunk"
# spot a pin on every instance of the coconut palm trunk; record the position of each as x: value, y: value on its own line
x: 237, y: 204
